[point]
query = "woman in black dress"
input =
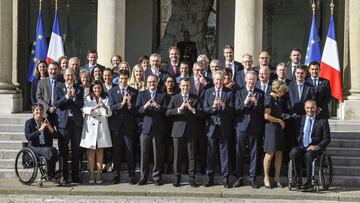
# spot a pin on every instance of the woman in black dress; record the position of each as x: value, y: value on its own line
x: 274, y: 135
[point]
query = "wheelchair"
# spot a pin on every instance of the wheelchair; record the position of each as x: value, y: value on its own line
x: 28, y: 164
x: 322, y: 172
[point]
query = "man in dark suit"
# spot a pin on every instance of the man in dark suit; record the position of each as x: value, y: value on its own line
x: 295, y: 57
x: 322, y: 90
x: 264, y: 60
x: 249, y: 121
x: 151, y: 105
x: 69, y: 101
x: 92, y: 57
x: 313, y: 137
x: 122, y: 124
x: 184, y: 72
x: 183, y: 107
x: 235, y: 66
x: 219, y: 107
x: 46, y: 92
x: 281, y: 72
x: 247, y: 62
x: 264, y: 82
x: 173, y: 67
x: 299, y: 92
x: 154, y: 69
x: 198, y: 86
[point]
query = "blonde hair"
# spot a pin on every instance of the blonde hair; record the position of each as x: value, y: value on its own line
x: 135, y: 84
x: 279, y: 86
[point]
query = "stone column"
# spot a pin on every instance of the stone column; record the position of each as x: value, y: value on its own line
x: 248, y: 28
x: 10, y: 99
x: 352, y: 105
x: 110, y: 30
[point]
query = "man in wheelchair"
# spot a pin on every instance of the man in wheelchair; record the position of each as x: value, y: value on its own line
x: 39, y: 134
x: 312, y: 139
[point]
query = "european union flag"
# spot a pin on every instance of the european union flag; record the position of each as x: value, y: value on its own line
x: 38, y: 49
x: 313, y: 48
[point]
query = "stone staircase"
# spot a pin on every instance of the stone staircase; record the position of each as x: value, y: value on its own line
x: 344, y: 148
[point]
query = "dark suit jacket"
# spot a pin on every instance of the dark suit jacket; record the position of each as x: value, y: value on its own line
x: 32, y: 134
x: 123, y: 118
x: 161, y: 77
x: 289, y: 74
x: 184, y: 119
x: 64, y: 105
x: 320, y: 134
x: 170, y: 71
x: 238, y: 67
x: 250, y: 116
x: 202, y: 88
x: 268, y: 90
x: 322, y: 96
x: 225, y: 114
x: 153, y: 119
x: 86, y: 67
x: 34, y: 85
x: 240, y: 78
x: 296, y: 106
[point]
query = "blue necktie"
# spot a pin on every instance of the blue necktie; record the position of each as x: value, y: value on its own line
x: 307, y: 133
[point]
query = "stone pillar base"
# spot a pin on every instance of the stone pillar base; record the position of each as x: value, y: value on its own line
x: 11, y: 103
x: 351, y: 109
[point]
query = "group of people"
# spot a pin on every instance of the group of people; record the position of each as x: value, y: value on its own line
x: 177, y: 114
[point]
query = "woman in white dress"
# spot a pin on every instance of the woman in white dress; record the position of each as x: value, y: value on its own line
x: 96, y: 134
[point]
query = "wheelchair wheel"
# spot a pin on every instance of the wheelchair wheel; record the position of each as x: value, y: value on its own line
x: 325, y: 171
x: 26, y: 166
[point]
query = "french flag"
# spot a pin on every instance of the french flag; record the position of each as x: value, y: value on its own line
x: 330, y: 66
x: 56, y: 47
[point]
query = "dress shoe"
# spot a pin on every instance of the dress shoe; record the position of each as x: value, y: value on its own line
x: 132, y: 180
x: 76, y: 179
x: 253, y: 185
x: 226, y: 184
x: 307, y: 185
x: 192, y: 182
x: 298, y: 183
x: 209, y: 183
x: 115, y: 180
x: 278, y: 185
x: 238, y: 184
x: 157, y: 183
x: 176, y: 183
x: 142, y: 182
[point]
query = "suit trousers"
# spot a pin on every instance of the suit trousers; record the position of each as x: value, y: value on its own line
x: 123, y: 143
x: 241, y: 141
x: 145, y: 144
x: 222, y: 141
x: 296, y: 155
x: 180, y: 143
x: 70, y: 133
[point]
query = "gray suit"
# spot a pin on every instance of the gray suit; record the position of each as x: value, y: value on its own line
x: 43, y: 96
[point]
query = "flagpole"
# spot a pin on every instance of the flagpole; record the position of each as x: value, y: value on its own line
x: 56, y: 4
x: 332, y: 6
x: 40, y: 5
x: 313, y: 6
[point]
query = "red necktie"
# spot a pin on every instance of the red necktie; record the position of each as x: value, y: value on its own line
x: 174, y: 69
x: 197, y: 86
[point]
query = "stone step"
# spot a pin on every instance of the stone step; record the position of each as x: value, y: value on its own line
x: 345, y: 143
x: 349, y: 152
x: 344, y: 125
x: 14, y: 118
x: 346, y: 181
x: 12, y: 127
x: 16, y: 145
x: 345, y: 161
x: 346, y: 170
x: 346, y: 135
x: 8, y: 153
x: 7, y: 163
x: 12, y: 136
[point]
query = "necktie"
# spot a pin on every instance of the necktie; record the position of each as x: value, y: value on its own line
x: 197, y: 87
x: 184, y: 98
x: 315, y: 82
x: 52, y: 91
x: 300, y: 90
x: 152, y: 95
x: 218, y: 93
x: 263, y: 87
x: 307, y: 133
x: 174, y: 69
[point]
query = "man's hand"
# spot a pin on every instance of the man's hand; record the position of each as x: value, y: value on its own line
x: 148, y: 104
x: 312, y: 148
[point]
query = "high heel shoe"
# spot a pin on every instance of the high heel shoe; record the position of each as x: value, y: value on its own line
x: 278, y: 184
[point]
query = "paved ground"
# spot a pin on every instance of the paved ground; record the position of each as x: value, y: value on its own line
x: 12, y: 189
